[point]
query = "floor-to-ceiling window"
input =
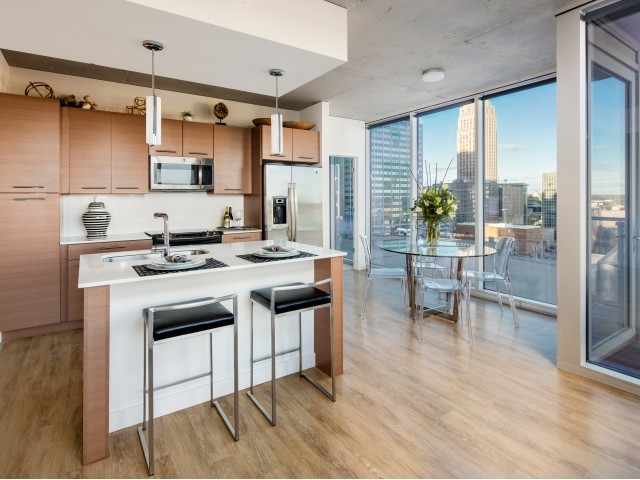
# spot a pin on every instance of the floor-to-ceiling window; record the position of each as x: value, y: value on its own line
x: 520, y: 186
x: 390, y: 178
x: 446, y: 154
x: 613, y: 340
x: 342, y: 204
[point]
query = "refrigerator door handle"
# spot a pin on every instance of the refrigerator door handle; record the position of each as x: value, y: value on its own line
x: 290, y: 212
x: 295, y: 214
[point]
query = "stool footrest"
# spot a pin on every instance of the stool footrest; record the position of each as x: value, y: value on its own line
x: 178, y: 382
x: 318, y: 386
x: 226, y: 421
x: 268, y: 357
x: 260, y: 407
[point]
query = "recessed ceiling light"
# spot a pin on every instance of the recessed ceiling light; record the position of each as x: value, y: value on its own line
x: 433, y: 75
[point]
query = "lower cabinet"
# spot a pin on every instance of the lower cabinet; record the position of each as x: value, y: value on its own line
x: 241, y: 237
x: 30, y: 278
x: 74, y: 295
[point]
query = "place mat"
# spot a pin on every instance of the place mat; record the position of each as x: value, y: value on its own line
x: 143, y: 271
x: 255, y: 259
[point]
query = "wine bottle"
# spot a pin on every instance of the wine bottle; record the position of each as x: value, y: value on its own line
x: 226, y: 220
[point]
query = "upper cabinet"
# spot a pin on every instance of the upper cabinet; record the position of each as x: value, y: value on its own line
x: 232, y: 156
x: 171, y: 135
x: 306, y: 146
x: 265, y: 144
x: 29, y: 144
x: 300, y: 146
x: 129, y: 154
x: 89, y: 151
x: 197, y: 139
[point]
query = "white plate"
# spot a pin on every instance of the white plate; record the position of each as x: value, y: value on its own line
x: 162, y: 264
x: 267, y: 254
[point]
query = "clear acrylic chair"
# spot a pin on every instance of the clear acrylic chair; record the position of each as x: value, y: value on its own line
x: 499, y: 275
x: 425, y: 284
x: 389, y: 273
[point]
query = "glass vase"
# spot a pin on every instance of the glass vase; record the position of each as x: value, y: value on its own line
x: 433, y: 233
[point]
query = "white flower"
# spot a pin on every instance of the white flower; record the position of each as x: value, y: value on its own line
x: 417, y: 210
x: 439, y: 211
x: 450, y: 201
x: 444, y: 187
x: 424, y: 191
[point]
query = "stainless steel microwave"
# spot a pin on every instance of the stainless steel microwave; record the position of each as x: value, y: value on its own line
x: 181, y: 173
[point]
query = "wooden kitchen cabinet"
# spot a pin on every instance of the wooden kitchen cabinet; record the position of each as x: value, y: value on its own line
x: 232, y: 157
x: 241, y: 237
x: 171, y: 139
x: 129, y: 154
x: 197, y: 139
x: 75, y: 295
x: 89, y: 151
x: 29, y: 144
x: 306, y: 146
x: 265, y: 144
x: 30, y: 280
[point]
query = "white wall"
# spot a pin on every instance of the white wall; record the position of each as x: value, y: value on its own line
x: 134, y: 213
x: 348, y: 139
x: 114, y: 97
x: 4, y: 74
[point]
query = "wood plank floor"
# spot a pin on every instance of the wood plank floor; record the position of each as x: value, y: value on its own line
x: 405, y: 409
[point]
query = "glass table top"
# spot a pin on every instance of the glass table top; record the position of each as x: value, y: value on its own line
x: 445, y: 248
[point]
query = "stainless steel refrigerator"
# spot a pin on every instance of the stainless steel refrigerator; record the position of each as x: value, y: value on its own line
x: 292, y: 203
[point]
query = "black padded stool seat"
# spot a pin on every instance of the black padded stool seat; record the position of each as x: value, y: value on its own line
x: 169, y: 324
x: 291, y: 300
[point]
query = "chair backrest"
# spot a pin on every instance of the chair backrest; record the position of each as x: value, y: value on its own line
x: 367, y: 251
x: 504, y: 245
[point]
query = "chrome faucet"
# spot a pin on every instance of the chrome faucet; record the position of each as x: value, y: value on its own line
x: 165, y: 236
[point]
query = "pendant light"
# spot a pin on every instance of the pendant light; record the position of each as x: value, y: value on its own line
x: 153, y: 109
x: 277, y: 142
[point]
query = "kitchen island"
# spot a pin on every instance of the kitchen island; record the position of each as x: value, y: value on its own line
x: 114, y: 296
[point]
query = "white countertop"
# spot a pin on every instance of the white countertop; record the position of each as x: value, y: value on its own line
x: 94, y: 272
x: 117, y: 237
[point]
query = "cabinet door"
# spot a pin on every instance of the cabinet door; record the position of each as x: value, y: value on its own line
x: 129, y: 154
x: 29, y: 144
x: 306, y: 146
x: 171, y: 139
x: 241, y: 237
x: 266, y: 144
x: 197, y: 139
x: 232, y: 156
x: 30, y: 280
x: 89, y: 151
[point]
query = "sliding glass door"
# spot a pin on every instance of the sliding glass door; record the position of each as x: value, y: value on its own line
x: 612, y: 336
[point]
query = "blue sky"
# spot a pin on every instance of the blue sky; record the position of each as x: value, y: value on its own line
x: 526, y: 124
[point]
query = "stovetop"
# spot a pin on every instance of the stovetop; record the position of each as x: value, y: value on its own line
x: 192, y: 233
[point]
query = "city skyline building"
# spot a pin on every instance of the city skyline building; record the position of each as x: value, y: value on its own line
x: 467, y: 156
x: 549, y: 199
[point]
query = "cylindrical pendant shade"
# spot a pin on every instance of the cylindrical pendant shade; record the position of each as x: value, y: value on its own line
x: 154, y: 120
x: 277, y: 142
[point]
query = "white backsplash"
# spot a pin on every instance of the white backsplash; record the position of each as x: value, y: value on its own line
x: 134, y: 213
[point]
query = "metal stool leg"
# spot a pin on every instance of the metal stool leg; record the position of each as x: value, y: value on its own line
x: 273, y: 368
x: 300, y: 343
x: 147, y: 390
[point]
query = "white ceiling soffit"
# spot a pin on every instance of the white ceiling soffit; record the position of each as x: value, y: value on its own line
x: 230, y: 44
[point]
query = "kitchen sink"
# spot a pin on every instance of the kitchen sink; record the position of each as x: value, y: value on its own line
x: 149, y: 256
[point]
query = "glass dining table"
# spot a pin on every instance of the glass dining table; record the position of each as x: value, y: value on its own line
x: 455, y: 251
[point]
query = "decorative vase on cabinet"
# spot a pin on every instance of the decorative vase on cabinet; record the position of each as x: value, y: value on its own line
x: 96, y: 219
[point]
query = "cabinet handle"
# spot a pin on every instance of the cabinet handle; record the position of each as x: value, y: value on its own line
x: 197, y: 153
x: 94, y: 188
x: 120, y: 247
x: 27, y: 198
x: 233, y: 189
x: 28, y: 186
x: 165, y: 151
x: 241, y: 238
x: 127, y: 188
x: 307, y: 158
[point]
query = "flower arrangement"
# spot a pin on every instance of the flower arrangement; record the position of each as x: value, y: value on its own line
x: 434, y: 205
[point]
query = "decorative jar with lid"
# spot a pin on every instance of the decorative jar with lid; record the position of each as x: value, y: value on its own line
x: 96, y: 219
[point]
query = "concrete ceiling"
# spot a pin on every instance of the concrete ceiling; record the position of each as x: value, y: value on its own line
x: 481, y: 44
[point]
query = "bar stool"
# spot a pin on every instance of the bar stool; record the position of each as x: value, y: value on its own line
x: 286, y: 300
x: 175, y: 321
